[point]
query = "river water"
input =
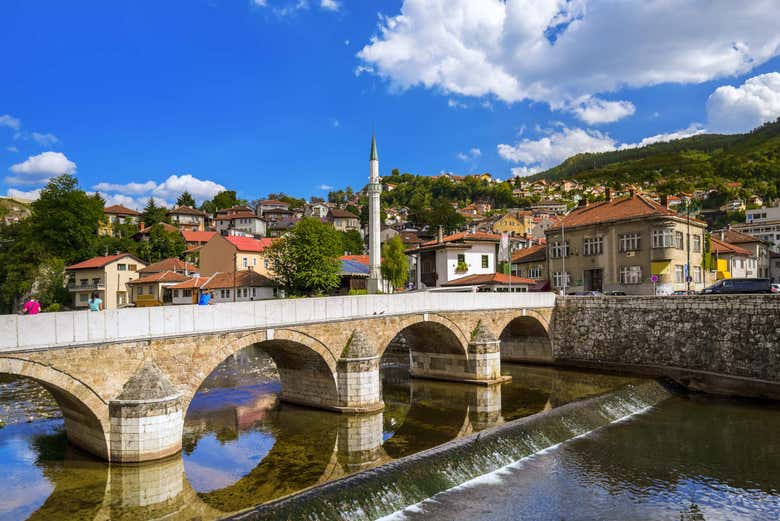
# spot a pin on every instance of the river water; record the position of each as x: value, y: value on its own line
x: 688, y: 459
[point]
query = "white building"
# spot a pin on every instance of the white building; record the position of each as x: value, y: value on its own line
x: 247, y: 286
x: 763, y: 223
x: 241, y: 224
x: 454, y: 257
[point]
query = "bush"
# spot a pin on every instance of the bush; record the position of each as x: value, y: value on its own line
x: 53, y: 308
x: 358, y: 292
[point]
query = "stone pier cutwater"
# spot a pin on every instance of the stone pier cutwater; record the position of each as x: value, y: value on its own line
x: 124, y: 378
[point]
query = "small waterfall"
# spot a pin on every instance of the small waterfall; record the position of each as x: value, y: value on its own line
x: 383, y: 490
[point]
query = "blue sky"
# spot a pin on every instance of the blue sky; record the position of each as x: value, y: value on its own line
x: 147, y: 98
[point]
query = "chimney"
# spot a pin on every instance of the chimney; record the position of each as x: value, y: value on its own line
x: 664, y: 200
x: 722, y: 235
x: 608, y: 194
x: 440, y: 235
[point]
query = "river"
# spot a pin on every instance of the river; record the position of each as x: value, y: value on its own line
x: 687, y: 458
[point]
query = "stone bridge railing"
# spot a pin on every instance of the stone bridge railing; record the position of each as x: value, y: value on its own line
x: 51, y: 330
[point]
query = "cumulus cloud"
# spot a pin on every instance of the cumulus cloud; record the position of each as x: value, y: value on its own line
x: 739, y: 109
x: 163, y: 192
x: 559, y: 144
x: 473, y: 153
x: 40, y: 168
x: 455, y: 104
x: 325, y: 187
x: 330, y: 5
x: 9, y: 121
x: 559, y: 51
x: 595, y: 111
x: 32, y: 195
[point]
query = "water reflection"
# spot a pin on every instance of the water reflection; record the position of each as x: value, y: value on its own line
x: 242, y: 447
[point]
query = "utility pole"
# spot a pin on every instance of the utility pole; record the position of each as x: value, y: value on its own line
x: 235, y: 268
x: 564, y: 251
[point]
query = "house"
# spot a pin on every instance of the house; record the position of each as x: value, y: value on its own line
x: 154, y: 289
x: 510, y: 224
x: 145, y: 232
x: 270, y: 205
x: 764, y: 224
x: 241, y: 222
x: 735, y: 205
x: 387, y: 233
x: 278, y: 227
x: 454, y: 256
x: 531, y: 263
x: 188, y: 218
x: 492, y: 282
x: 631, y: 244
x: 117, y: 215
x: 173, y: 264
x: 195, y: 240
x: 232, y: 253
x: 241, y: 286
x: 107, y: 276
x: 758, y: 249
x: 549, y: 205
x: 318, y: 210
x: 774, y: 266
x: 354, y: 274
x: 730, y: 260
x: 343, y: 220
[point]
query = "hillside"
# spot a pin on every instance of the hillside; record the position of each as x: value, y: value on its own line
x: 703, y: 161
x: 13, y: 209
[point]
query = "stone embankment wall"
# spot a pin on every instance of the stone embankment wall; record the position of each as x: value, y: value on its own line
x: 721, y: 344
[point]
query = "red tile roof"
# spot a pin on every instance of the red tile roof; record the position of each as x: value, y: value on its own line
x: 734, y: 237
x: 338, y: 213
x: 165, y: 276
x: 467, y: 236
x: 273, y: 202
x: 194, y: 282
x: 636, y: 206
x: 723, y: 248
x: 362, y: 259
x: 532, y: 254
x: 239, y: 215
x: 187, y: 210
x: 249, y: 243
x: 99, y: 262
x: 197, y: 236
x: 244, y: 279
x: 172, y: 264
x: 118, y: 209
x: 165, y: 226
x: 489, y: 278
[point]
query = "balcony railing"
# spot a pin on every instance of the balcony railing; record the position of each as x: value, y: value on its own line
x: 90, y: 286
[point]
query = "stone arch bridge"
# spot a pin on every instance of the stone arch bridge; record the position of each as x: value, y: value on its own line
x: 124, y: 378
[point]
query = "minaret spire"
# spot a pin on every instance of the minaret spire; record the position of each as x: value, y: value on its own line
x: 374, y: 201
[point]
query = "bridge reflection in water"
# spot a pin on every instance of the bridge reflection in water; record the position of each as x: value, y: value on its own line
x: 242, y: 447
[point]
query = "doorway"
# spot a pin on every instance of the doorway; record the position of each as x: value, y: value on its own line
x: 594, y: 280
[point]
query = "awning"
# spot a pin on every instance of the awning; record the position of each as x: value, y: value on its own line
x: 660, y: 267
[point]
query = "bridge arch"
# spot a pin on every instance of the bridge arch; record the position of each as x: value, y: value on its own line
x: 526, y: 338
x: 445, y: 335
x: 307, y: 369
x: 85, y: 413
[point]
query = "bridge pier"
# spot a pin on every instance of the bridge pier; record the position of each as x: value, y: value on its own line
x: 146, y: 418
x: 357, y: 375
x: 482, y: 365
x: 360, y: 441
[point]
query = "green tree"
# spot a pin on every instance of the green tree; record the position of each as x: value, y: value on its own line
x: 185, y: 199
x: 444, y: 215
x: 224, y: 199
x: 65, y: 220
x: 162, y: 244
x: 20, y: 255
x: 395, y: 267
x: 153, y: 214
x: 306, y: 260
x: 352, y: 242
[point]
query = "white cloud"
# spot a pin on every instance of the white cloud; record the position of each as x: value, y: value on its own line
x: 9, y: 121
x: 455, y: 104
x: 595, y: 111
x: 21, y: 194
x: 12, y: 149
x: 325, y: 187
x: 558, y: 51
x: 44, y: 139
x: 40, y: 168
x: 556, y: 146
x: 360, y: 69
x: 260, y: 3
x: 475, y: 152
x: 739, y: 109
x: 163, y: 192
x: 330, y: 5
x: 472, y: 154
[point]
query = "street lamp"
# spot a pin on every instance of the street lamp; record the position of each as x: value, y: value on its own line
x: 688, y: 205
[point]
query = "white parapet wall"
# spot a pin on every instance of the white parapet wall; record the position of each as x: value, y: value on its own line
x: 48, y: 330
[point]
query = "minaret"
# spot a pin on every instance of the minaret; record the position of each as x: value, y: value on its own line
x: 374, y: 247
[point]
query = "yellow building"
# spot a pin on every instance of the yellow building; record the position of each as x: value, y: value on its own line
x: 228, y: 254
x: 105, y: 276
x: 513, y: 225
x: 153, y: 290
x: 116, y: 215
x: 631, y: 244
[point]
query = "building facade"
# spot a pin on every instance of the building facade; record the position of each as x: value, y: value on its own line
x: 758, y: 265
x: 117, y: 215
x: 106, y: 276
x: 228, y: 254
x: 631, y: 244
x: 453, y: 257
x: 764, y: 224
x: 153, y: 289
x: 188, y: 218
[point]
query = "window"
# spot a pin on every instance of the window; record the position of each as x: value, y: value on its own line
x: 132, y: 267
x: 83, y: 297
x: 150, y: 290
x: 535, y: 272
x: 121, y: 267
x: 187, y: 293
x: 696, y: 247
x: 593, y: 246
x: 630, y: 274
x: 266, y: 263
x: 254, y: 292
x: 560, y: 249
x: 697, y: 274
x: 663, y: 238
x: 560, y: 279
x: 95, y: 282
x: 461, y: 258
x: 254, y: 261
x: 485, y: 261
x: 176, y: 293
x: 678, y: 240
x: 246, y: 262
x: 629, y: 242
x: 679, y: 273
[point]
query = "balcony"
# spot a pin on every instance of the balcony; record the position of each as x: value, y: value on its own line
x: 89, y: 286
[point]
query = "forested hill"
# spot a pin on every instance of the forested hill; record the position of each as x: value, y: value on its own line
x: 703, y: 161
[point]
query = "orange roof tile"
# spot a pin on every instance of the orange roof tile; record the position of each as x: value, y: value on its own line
x: 631, y: 207
x: 489, y: 278
x: 165, y: 276
x: 249, y: 243
x: 172, y: 264
x: 734, y: 236
x: 244, y: 279
x: 723, y: 248
x: 534, y: 253
x: 99, y: 262
x: 467, y: 236
x: 118, y: 209
x: 197, y: 236
x: 187, y: 210
x: 362, y: 259
x: 194, y: 282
